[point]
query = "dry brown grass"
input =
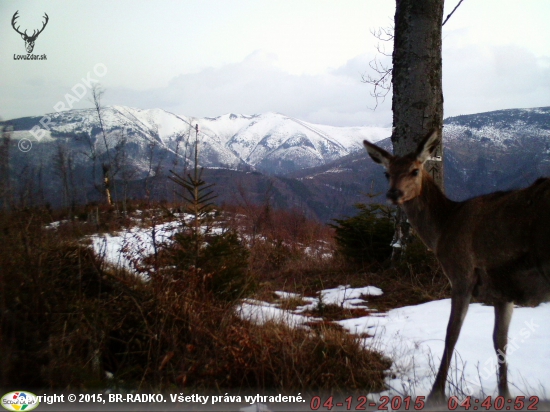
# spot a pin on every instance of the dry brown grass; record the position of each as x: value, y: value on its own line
x: 332, y: 312
x: 66, y: 318
x: 323, y: 359
x: 417, y: 279
x: 290, y: 303
x: 279, y: 263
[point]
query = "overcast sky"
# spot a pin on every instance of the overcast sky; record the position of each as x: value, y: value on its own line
x: 303, y: 58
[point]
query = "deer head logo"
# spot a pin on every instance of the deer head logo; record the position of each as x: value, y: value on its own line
x: 29, y: 40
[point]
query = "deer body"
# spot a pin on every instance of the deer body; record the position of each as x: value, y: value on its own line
x: 502, y: 240
x: 495, y: 247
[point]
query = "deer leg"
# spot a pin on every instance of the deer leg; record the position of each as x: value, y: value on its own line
x: 460, y: 300
x: 503, y: 315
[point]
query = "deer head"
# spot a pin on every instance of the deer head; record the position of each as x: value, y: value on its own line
x: 29, y: 40
x: 405, y: 173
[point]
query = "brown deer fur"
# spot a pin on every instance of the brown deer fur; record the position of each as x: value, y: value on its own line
x: 495, y: 247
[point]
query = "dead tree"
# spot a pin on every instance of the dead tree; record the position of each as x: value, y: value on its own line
x: 97, y: 94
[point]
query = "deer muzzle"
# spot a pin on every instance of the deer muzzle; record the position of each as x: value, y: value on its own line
x: 394, y: 195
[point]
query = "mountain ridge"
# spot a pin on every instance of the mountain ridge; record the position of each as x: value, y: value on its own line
x: 269, y: 142
x: 274, y: 155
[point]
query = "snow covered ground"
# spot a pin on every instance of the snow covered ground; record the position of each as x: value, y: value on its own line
x: 413, y: 337
x: 124, y: 248
x: 344, y: 296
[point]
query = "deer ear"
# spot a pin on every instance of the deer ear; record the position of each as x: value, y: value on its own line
x: 426, y: 148
x: 377, y: 154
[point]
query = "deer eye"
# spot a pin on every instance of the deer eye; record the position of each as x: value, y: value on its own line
x: 414, y: 172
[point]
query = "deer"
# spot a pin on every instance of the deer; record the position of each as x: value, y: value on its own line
x: 494, y: 247
x: 29, y: 40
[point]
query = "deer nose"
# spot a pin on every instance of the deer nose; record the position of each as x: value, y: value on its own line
x: 394, y: 194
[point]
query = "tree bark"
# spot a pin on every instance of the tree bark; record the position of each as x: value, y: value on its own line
x: 417, y: 88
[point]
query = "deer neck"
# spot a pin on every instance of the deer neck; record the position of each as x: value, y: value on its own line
x: 429, y: 212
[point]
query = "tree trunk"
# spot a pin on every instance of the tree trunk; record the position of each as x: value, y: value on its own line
x: 417, y: 90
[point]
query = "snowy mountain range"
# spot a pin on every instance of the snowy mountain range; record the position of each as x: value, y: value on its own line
x: 500, y: 150
x: 320, y: 169
x: 271, y: 143
x: 483, y: 153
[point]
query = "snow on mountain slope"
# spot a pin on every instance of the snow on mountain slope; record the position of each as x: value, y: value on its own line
x: 500, y: 128
x: 269, y: 142
x: 165, y: 125
x: 226, y: 125
x: 275, y: 142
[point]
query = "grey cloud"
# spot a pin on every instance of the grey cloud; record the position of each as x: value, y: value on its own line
x: 257, y: 85
x: 477, y: 79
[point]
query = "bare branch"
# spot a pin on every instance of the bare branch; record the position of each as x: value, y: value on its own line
x: 382, y: 50
x: 382, y: 81
x: 451, y: 13
x: 383, y: 33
